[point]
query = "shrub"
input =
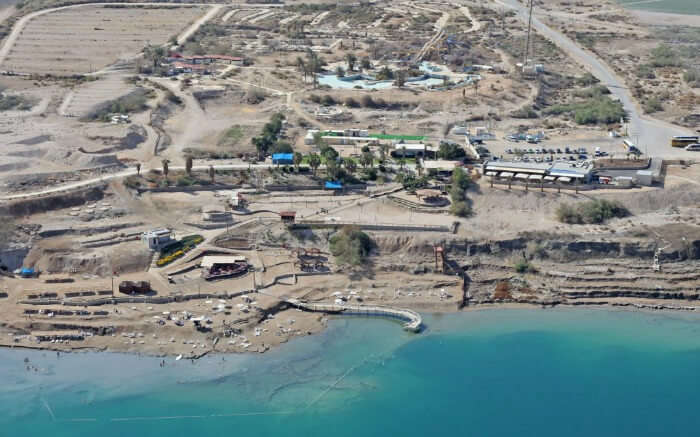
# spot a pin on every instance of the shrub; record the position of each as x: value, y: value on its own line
x: 652, y: 105
x: 526, y: 112
x: 351, y: 103
x: 8, y: 102
x: 596, y: 110
x: 665, y: 56
x: 644, y: 71
x: 692, y: 77
x: 135, y: 101
x: 350, y: 246
x: 587, y: 80
x: 592, y: 212
x: 460, y: 209
x: 523, y: 266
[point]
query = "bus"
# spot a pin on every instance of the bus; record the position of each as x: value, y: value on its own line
x: 684, y: 141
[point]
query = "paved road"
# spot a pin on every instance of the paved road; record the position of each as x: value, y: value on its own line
x: 654, y: 135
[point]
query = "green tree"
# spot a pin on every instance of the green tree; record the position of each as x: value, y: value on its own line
x: 138, y: 168
x: 451, y: 151
x: 383, y: 152
x: 328, y: 154
x: 165, y: 163
x: 365, y: 63
x: 298, y: 158
x: 367, y: 159
x: 314, y: 162
x: 212, y: 173
x: 400, y: 80
x: 351, y: 59
x: 350, y: 165
x: 350, y: 246
x: 339, y: 71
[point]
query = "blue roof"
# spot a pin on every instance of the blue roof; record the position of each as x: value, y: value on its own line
x: 334, y: 185
x: 283, y: 156
x: 27, y: 271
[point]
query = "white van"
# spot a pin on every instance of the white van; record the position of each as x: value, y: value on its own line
x: 693, y: 147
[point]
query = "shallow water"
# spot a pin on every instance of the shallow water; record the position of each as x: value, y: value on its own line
x: 691, y: 7
x: 495, y: 373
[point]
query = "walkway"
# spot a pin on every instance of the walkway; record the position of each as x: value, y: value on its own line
x: 413, y: 320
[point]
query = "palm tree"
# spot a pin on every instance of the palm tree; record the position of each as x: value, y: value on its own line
x: 350, y: 165
x: 188, y: 165
x: 138, y: 168
x: 302, y: 67
x: 367, y: 159
x: 298, y: 157
x: 314, y: 162
x: 351, y: 59
x: 165, y: 163
x: 383, y: 149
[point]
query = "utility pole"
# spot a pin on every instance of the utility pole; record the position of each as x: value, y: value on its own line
x: 529, y: 29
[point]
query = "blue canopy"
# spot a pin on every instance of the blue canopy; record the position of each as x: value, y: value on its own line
x: 334, y: 185
x: 283, y: 157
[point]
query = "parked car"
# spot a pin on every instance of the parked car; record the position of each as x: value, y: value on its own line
x: 582, y: 157
x: 572, y: 158
x: 509, y: 151
x: 558, y: 150
x: 567, y: 150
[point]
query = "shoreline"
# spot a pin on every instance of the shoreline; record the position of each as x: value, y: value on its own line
x: 658, y: 305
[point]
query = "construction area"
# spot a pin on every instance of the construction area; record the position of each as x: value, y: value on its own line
x: 187, y: 178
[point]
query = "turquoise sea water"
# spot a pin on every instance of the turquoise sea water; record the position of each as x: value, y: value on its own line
x: 691, y: 7
x: 483, y: 373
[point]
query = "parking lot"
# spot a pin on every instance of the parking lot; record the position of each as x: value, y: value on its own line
x: 561, y: 148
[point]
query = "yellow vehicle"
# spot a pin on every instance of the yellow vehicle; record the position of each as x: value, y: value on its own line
x: 684, y: 141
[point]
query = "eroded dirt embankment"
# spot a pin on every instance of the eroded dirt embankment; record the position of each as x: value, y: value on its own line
x: 36, y: 205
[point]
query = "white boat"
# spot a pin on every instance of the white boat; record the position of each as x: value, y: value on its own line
x: 178, y: 358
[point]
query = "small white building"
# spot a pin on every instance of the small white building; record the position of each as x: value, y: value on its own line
x: 409, y: 150
x: 157, y: 238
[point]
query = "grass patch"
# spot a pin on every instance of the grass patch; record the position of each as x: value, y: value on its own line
x: 231, y: 137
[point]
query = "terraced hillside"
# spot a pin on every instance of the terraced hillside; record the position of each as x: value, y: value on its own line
x: 88, y: 38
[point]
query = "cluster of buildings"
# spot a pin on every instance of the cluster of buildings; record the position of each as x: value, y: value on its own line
x: 567, y: 173
x: 178, y: 63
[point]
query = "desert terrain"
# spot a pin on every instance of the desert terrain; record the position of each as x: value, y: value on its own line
x: 427, y: 156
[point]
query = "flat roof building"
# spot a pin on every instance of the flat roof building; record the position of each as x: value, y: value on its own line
x: 536, y: 171
x: 157, y: 238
